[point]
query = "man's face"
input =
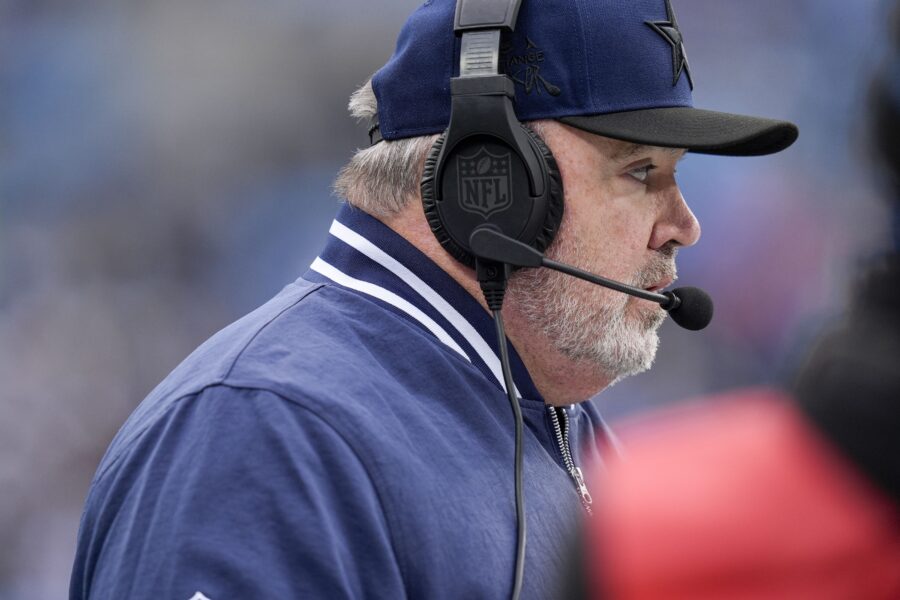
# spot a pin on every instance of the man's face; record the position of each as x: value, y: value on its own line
x: 624, y: 219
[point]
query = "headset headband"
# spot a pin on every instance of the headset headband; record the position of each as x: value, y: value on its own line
x: 473, y: 15
x: 480, y: 23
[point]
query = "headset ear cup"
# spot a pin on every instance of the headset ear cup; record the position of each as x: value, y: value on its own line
x: 553, y: 212
x: 556, y: 195
x: 429, y: 203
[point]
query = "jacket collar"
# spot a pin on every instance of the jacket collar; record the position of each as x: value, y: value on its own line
x: 366, y: 257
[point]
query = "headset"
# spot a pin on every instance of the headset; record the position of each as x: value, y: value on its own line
x: 487, y: 168
x: 489, y: 171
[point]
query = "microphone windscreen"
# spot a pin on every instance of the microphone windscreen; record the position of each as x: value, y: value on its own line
x: 696, y: 309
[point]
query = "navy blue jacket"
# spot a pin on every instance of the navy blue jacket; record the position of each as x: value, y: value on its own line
x: 351, y: 438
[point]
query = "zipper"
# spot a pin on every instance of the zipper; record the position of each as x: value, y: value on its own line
x: 562, y: 438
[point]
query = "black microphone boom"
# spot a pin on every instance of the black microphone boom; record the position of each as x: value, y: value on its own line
x: 690, y: 307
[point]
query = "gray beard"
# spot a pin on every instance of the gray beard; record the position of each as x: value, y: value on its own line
x: 589, y: 324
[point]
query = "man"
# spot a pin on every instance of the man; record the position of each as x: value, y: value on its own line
x: 352, y: 437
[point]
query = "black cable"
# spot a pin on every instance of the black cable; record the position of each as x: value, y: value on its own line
x: 520, y: 494
x: 493, y: 277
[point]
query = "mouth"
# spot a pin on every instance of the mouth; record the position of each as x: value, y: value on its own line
x: 660, y: 285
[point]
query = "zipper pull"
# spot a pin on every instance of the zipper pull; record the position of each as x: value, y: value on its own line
x: 582, y: 486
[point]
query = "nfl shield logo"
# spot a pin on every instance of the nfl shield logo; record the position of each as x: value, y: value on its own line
x: 484, y: 182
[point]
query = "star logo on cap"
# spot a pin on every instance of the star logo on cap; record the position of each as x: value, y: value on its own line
x: 672, y: 34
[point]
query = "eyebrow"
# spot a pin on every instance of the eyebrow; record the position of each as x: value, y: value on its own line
x: 632, y: 150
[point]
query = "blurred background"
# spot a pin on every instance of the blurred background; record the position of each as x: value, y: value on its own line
x: 165, y: 167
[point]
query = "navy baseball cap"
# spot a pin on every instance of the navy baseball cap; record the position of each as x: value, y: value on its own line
x: 617, y: 68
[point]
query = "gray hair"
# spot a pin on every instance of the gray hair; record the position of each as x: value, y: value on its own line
x: 383, y: 178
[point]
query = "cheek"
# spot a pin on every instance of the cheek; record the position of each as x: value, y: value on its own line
x: 612, y: 236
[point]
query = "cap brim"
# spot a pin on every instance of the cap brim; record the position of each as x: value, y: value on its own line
x: 701, y: 131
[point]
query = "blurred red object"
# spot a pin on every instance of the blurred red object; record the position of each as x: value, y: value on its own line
x: 742, y: 499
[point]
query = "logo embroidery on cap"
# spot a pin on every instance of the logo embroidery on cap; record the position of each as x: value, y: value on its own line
x: 525, y: 68
x: 671, y: 33
x: 484, y: 183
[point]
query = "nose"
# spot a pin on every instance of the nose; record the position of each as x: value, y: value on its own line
x: 676, y: 223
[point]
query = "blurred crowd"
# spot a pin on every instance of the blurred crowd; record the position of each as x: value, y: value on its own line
x: 165, y: 166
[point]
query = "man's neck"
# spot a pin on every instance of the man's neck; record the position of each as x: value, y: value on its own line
x: 559, y: 380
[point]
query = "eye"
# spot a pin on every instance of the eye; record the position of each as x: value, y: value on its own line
x: 642, y: 173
